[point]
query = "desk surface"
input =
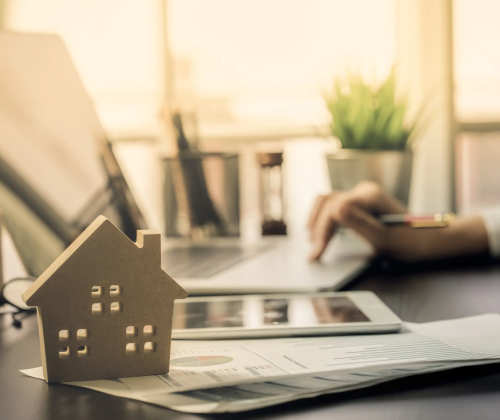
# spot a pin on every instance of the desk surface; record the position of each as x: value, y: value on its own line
x: 417, y: 293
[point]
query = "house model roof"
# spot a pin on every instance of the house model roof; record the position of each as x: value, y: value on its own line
x: 98, y: 225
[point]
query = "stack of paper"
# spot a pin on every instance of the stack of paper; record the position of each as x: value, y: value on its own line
x: 238, y: 375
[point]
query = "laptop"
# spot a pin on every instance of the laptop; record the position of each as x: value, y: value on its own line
x: 58, y: 172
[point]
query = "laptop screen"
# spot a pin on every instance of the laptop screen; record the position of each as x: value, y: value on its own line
x: 53, y: 152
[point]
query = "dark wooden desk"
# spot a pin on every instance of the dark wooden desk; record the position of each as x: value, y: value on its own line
x: 417, y: 293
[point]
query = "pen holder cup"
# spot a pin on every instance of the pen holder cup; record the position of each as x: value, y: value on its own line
x: 201, y: 195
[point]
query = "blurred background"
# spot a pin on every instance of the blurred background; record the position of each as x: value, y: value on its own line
x: 251, y: 75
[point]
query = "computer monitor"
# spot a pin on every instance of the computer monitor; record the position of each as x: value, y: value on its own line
x: 54, y: 156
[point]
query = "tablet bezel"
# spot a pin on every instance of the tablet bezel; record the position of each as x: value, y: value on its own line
x: 382, y: 319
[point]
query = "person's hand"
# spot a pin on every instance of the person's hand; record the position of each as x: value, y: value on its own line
x: 358, y: 209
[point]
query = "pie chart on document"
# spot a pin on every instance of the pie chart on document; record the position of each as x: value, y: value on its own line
x: 200, y: 361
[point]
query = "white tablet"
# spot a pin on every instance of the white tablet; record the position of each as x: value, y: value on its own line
x: 282, y: 315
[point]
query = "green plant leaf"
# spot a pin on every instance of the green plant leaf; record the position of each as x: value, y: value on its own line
x: 369, y: 117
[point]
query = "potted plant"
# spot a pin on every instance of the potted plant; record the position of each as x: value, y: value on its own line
x: 370, y: 121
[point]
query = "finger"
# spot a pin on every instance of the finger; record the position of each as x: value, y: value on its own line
x: 364, y: 224
x: 322, y: 231
x: 318, y: 203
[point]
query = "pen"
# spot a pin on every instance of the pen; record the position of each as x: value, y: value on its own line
x: 425, y: 221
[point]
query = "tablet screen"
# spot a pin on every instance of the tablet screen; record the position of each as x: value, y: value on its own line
x: 254, y: 312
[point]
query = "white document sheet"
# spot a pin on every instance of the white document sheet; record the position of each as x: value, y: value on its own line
x: 239, y: 375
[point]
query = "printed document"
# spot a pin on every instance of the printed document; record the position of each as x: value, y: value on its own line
x: 238, y: 375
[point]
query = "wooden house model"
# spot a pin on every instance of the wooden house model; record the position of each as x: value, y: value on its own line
x: 105, y: 307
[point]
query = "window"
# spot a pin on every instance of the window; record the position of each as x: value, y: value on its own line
x: 97, y: 291
x: 131, y: 348
x: 131, y: 331
x: 116, y: 46
x: 239, y: 64
x: 64, y: 335
x: 83, y: 351
x: 149, y: 330
x: 478, y: 172
x: 258, y: 66
x: 115, y: 291
x: 64, y: 353
x: 476, y: 59
x: 477, y: 103
x: 149, y: 347
x: 116, y: 307
x: 82, y: 335
x: 97, y: 308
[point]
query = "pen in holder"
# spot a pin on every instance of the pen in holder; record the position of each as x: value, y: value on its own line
x: 201, y: 195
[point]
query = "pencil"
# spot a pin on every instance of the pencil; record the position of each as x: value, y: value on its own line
x: 424, y: 221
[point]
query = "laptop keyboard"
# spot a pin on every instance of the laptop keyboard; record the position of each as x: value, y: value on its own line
x: 203, y: 261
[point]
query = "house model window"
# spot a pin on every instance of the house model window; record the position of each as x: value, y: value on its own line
x: 115, y: 291
x: 97, y: 291
x: 149, y: 347
x: 64, y: 336
x: 149, y: 330
x: 97, y: 308
x: 64, y: 353
x: 115, y: 304
x: 82, y: 335
x: 131, y: 331
x: 131, y: 348
x: 116, y: 307
x: 145, y: 344
x: 83, y: 351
